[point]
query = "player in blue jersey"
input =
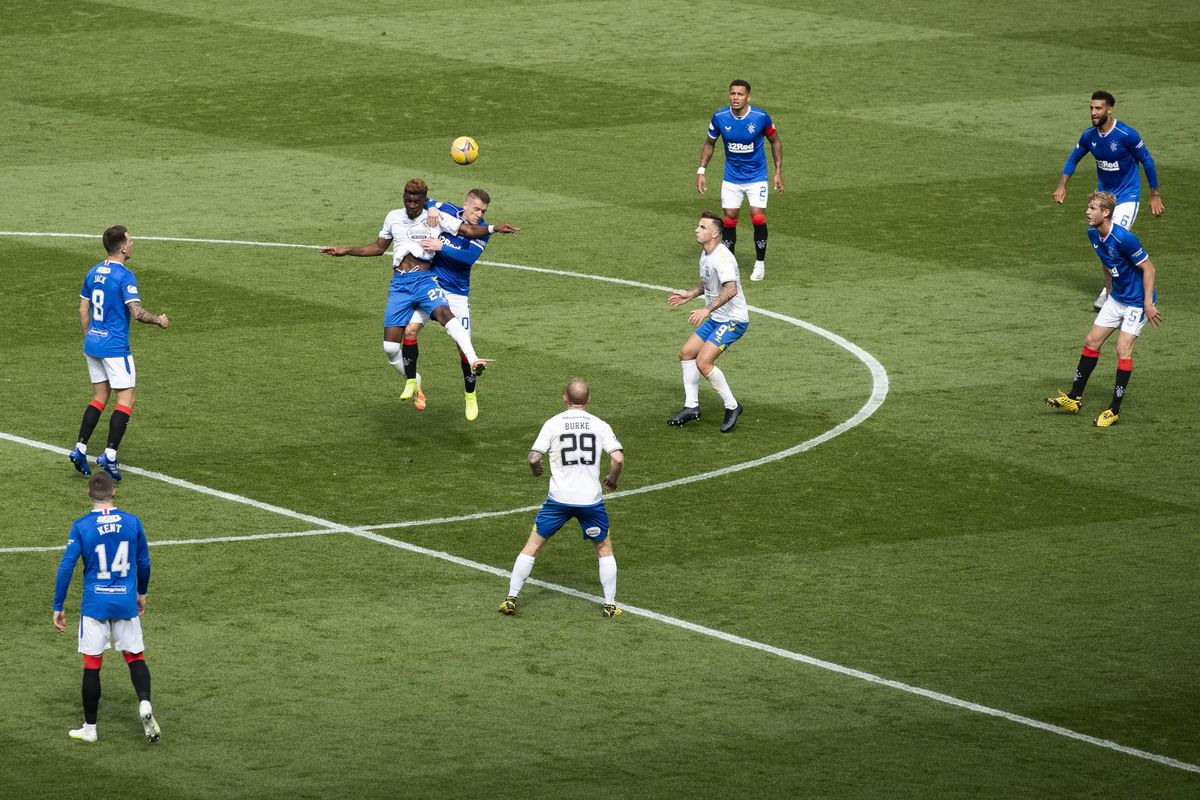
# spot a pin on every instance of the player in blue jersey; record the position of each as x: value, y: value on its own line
x: 573, y: 439
x: 116, y: 576
x: 1118, y: 150
x: 108, y: 300
x: 1129, y: 278
x: 453, y: 257
x: 743, y: 129
x: 411, y: 231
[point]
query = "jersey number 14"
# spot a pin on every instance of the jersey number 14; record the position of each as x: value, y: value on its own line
x: 120, y: 563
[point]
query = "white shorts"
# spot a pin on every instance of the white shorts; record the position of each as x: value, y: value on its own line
x: 1115, y: 314
x: 755, y: 194
x: 460, y: 306
x: 1125, y: 213
x: 118, y: 371
x: 97, y: 635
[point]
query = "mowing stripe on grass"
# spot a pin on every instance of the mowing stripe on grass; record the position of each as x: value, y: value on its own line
x: 250, y: 537
x: 334, y: 527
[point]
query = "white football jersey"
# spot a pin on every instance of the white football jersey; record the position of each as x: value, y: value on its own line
x: 406, y: 233
x: 720, y: 267
x: 574, y: 440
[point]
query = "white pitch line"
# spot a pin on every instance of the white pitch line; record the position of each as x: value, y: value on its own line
x: 878, y: 394
x: 364, y: 533
x: 250, y: 537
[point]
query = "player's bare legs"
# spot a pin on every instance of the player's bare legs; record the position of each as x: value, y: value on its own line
x: 461, y: 337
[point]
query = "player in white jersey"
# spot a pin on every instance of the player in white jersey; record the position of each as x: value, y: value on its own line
x: 573, y: 439
x: 723, y: 320
x: 413, y: 287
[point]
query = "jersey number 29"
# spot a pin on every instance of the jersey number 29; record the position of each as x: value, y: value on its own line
x: 584, y: 445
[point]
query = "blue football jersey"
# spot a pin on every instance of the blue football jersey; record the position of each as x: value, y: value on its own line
x: 109, y: 286
x: 1117, y: 155
x: 452, y: 264
x: 116, y: 564
x: 745, y: 156
x: 1120, y: 252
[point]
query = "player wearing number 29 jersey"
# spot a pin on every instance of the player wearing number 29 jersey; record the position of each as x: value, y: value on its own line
x: 573, y: 439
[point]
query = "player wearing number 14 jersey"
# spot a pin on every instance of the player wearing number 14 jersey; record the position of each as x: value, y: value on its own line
x: 573, y: 440
x: 108, y: 300
x: 116, y: 576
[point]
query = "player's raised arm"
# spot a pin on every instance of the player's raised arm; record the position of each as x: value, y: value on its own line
x: 376, y: 248
x: 479, y: 231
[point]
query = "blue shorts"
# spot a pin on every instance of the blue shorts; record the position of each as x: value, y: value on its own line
x: 410, y: 291
x: 593, y: 520
x: 722, y: 334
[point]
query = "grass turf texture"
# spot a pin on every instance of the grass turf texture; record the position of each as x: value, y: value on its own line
x: 964, y: 539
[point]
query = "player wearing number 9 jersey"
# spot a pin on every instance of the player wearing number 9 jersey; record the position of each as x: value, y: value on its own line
x: 116, y: 576
x: 573, y: 440
x: 108, y: 301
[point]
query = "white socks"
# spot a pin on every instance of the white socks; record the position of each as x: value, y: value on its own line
x: 691, y: 383
x: 461, y: 338
x: 520, y: 573
x: 392, y: 351
x: 716, y: 379
x: 608, y: 579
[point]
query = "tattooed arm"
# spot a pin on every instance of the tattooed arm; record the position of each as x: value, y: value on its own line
x: 142, y: 315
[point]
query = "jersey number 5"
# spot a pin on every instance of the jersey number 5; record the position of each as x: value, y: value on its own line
x: 585, y: 446
x: 120, y: 564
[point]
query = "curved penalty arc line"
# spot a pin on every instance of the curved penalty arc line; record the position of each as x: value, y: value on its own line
x: 879, y: 375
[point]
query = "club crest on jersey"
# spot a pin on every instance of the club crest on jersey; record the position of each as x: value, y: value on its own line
x: 1112, y: 146
x: 751, y: 128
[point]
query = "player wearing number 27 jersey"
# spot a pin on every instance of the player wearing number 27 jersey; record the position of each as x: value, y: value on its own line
x: 573, y: 440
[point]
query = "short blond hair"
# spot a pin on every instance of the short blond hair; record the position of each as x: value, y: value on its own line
x: 416, y: 186
x: 1106, y: 201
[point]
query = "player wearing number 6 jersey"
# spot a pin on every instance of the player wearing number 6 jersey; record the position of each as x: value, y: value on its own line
x: 108, y: 301
x: 116, y: 576
x: 573, y: 440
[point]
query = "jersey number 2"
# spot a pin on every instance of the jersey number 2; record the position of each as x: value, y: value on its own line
x: 585, y: 446
x: 120, y: 564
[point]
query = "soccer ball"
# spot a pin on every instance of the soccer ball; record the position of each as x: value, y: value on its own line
x: 464, y: 150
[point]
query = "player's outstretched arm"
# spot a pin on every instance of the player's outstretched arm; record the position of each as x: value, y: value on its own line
x: 479, y: 231
x: 535, y: 463
x: 616, y: 463
x: 679, y: 298
x: 706, y: 154
x: 142, y: 315
x: 376, y: 248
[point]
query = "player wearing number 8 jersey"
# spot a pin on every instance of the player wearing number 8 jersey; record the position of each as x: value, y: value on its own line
x: 108, y: 300
x: 573, y: 440
x: 116, y: 576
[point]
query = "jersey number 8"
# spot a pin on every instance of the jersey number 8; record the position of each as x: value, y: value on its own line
x: 98, y: 305
x: 585, y: 446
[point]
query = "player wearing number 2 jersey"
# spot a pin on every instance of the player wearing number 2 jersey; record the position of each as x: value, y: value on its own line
x: 116, y: 576
x: 108, y: 301
x: 573, y: 440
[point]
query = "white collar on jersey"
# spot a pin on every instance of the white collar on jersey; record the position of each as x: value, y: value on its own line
x: 749, y: 108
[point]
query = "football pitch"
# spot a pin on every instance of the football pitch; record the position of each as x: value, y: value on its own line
x: 901, y: 575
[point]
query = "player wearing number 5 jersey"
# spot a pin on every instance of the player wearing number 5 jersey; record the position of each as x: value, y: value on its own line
x: 573, y: 440
x: 116, y: 576
x: 108, y: 300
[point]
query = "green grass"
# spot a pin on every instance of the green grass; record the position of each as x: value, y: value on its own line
x: 964, y: 539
